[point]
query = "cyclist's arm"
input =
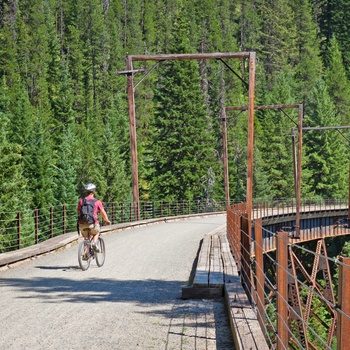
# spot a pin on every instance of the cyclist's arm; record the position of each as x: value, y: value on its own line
x: 105, y: 216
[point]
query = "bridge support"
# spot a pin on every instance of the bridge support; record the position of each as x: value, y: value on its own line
x: 282, y: 288
x: 343, y: 326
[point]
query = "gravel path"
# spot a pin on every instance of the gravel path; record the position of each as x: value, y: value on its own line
x: 132, y: 302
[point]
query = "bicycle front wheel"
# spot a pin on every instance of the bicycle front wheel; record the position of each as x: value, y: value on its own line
x: 101, y: 255
x: 84, y: 256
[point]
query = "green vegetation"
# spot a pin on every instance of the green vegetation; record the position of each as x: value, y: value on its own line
x: 64, y: 110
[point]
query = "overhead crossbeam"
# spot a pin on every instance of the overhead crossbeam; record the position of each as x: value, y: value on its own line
x: 197, y: 56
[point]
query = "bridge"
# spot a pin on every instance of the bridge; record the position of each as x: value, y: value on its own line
x: 164, y: 279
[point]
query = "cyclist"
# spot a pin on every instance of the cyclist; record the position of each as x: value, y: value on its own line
x: 94, y: 229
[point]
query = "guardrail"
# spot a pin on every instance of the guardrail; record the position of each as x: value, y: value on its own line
x: 25, y: 228
x: 300, y: 293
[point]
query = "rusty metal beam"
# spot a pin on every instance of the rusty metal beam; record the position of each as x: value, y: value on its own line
x: 193, y: 56
x: 133, y: 143
x: 326, y: 127
x: 282, y: 288
x: 343, y: 326
x: 225, y: 156
x: 299, y: 163
x: 245, y: 108
x: 199, y: 56
x: 251, y: 90
x: 260, y: 276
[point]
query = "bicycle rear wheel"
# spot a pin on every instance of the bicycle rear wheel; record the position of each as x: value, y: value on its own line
x: 84, y: 256
x: 101, y: 255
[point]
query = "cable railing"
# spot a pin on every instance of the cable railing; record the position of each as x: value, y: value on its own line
x: 25, y: 228
x: 299, y: 293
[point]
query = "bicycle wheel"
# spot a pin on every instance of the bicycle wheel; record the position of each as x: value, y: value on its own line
x: 84, y: 256
x: 101, y: 255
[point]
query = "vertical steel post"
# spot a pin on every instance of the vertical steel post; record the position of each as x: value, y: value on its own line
x: 225, y: 156
x: 36, y: 220
x: 18, y: 230
x: 246, y: 255
x: 298, y: 184
x: 349, y: 199
x: 113, y: 213
x: 133, y: 142
x: 260, y: 276
x: 250, y: 141
x: 51, y: 221
x: 64, y: 218
x: 282, y: 290
x: 122, y: 209
x: 343, y: 323
x: 294, y: 163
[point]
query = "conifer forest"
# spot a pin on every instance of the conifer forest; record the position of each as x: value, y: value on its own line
x: 64, y: 108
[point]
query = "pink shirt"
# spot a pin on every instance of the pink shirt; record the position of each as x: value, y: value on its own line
x: 98, y: 206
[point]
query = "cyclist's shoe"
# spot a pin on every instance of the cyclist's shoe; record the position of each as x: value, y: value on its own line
x: 95, y: 247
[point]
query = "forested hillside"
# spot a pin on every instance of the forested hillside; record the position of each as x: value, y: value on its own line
x: 64, y: 109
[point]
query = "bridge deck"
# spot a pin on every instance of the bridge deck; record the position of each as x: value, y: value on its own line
x: 216, y: 275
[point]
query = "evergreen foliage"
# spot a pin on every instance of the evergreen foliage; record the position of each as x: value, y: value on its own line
x: 65, y: 109
x: 180, y: 127
x: 327, y: 152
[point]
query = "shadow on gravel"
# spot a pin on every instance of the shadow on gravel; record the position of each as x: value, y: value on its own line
x: 158, y: 298
x: 94, y: 290
x: 62, y: 268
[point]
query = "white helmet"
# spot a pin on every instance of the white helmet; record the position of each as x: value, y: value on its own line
x: 90, y: 187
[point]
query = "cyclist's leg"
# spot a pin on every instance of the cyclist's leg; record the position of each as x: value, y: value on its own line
x: 95, y: 231
x: 85, y: 230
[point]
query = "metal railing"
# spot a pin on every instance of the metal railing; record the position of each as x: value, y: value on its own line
x: 300, y: 294
x: 25, y: 228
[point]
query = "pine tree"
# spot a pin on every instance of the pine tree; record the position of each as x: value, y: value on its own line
x: 116, y: 182
x: 326, y: 150
x: 307, y: 61
x: 277, y: 146
x: 251, y: 26
x: 277, y: 36
x: 338, y: 83
x: 340, y: 16
x: 182, y: 146
x: 15, y: 196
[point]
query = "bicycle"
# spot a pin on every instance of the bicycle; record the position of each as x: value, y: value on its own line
x: 86, y: 253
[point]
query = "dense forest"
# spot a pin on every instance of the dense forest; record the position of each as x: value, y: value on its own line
x: 64, y: 110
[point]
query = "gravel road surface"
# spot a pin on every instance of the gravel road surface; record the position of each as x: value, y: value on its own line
x: 132, y: 302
